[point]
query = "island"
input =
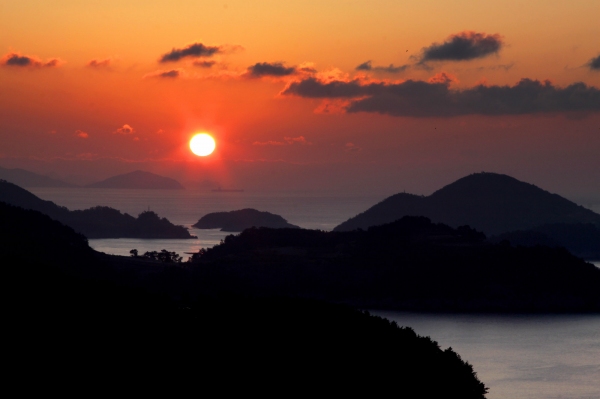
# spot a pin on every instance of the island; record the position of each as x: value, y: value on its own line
x: 490, y: 202
x: 25, y: 178
x: 139, y: 180
x: 236, y: 221
x: 96, y: 222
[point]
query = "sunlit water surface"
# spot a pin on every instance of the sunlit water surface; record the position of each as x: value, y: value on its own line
x: 520, y: 357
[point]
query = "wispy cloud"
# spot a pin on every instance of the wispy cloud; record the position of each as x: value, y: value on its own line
x: 81, y: 134
x: 160, y: 74
x: 367, y: 66
x: 96, y: 63
x: 125, y: 129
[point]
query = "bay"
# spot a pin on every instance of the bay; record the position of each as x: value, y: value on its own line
x: 184, y: 207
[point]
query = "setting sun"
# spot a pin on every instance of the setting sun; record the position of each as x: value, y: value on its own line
x: 202, y: 144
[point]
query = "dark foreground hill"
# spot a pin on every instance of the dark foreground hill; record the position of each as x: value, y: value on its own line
x: 580, y: 239
x: 139, y: 180
x: 489, y: 202
x: 25, y: 178
x: 411, y: 264
x: 71, y: 312
x: 236, y: 221
x: 97, y: 222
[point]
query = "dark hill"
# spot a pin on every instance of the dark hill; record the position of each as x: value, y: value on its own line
x: 240, y: 220
x: 492, y: 203
x: 265, y: 345
x: 580, y: 239
x: 97, y: 222
x: 25, y: 178
x: 411, y: 264
x: 139, y: 180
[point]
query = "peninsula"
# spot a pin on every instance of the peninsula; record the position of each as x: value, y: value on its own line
x: 96, y: 222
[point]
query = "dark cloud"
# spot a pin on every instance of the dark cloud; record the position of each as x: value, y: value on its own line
x: 367, y: 66
x: 193, y: 50
x: 18, y: 60
x: 594, y: 64
x: 437, y: 99
x: 261, y: 69
x: 160, y: 74
x: 313, y: 88
x: 463, y: 46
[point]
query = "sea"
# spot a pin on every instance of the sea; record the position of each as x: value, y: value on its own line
x: 517, y: 357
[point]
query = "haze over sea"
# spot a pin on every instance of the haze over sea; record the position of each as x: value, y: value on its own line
x: 517, y: 357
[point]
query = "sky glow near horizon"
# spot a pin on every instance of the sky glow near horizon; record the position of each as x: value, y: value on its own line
x: 354, y: 96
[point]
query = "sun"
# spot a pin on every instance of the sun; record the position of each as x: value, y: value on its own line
x: 202, y: 144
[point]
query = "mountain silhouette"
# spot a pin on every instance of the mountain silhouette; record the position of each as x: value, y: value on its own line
x: 25, y: 178
x: 139, y: 179
x: 66, y: 301
x: 96, y: 222
x: 490, y: 202
x: 242, y: 219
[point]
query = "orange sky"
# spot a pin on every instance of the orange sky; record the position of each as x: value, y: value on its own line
x: 82, y: 95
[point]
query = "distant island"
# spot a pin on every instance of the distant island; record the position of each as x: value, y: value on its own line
x: 139, y: 180
x: 97, y: 222
x: 490, y: 202
x: 236, y: 221
x: 25, y: 178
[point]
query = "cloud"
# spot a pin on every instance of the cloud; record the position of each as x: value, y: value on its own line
x: 297, y: 140
x: 436, y: 98
x: 204, y: 64
x: 594, y: 64
x: 18, y: 60
x: 194, y: 50
x: 443, y: 77
x: 277, y: 69
x: 99, y: 63
x: 161, y: 74
x: 125, y: 129
x: 367, y: 66
x: 463, y: 46
x: 81, y: 134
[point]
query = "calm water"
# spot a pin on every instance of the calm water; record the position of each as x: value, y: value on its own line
x: 185, y: 207
x: 520, y: 357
